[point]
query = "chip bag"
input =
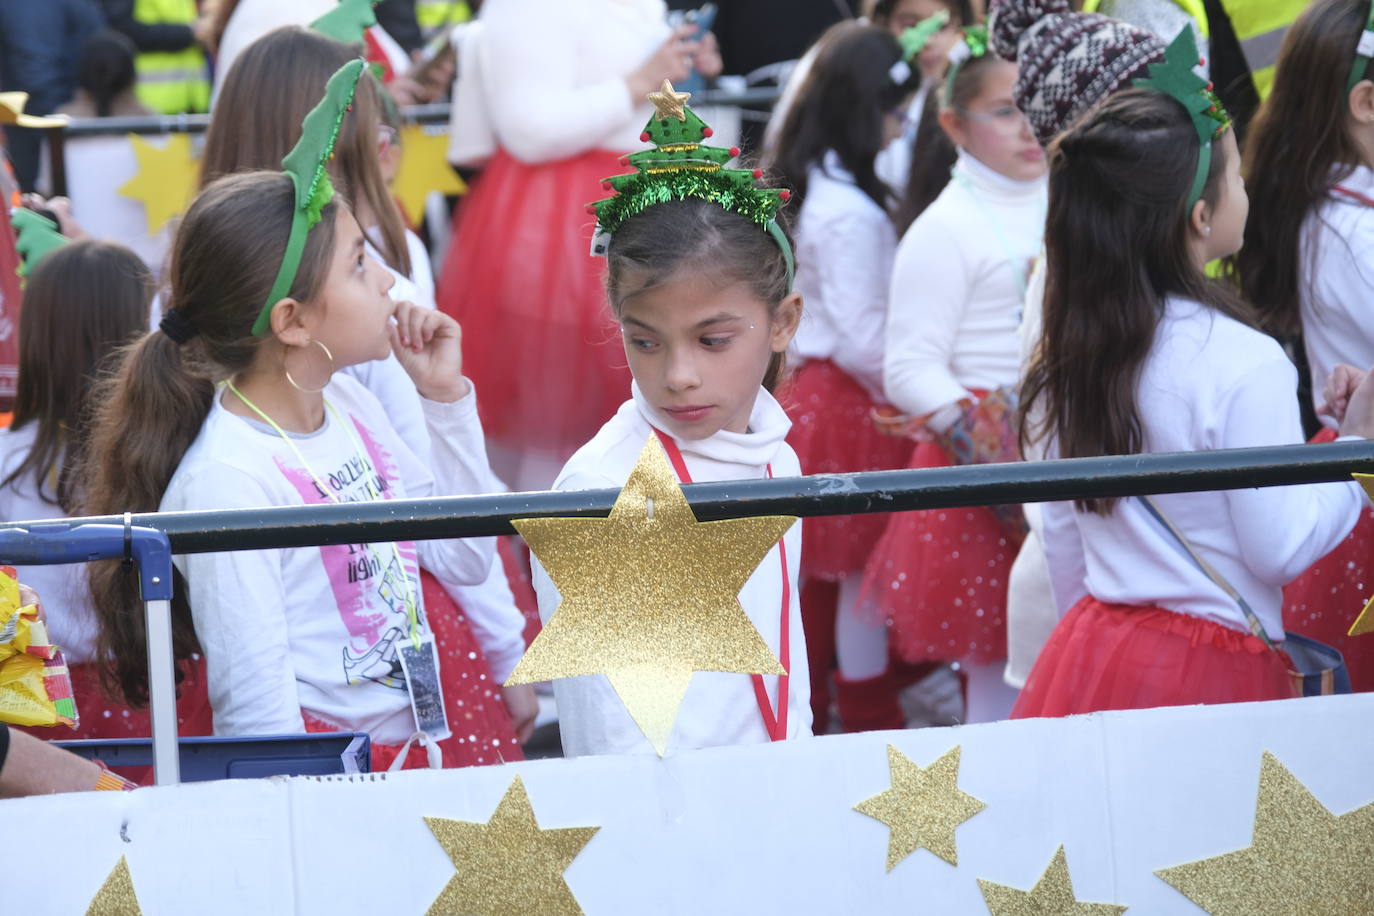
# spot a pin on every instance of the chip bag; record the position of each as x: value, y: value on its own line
x: 35, y: 686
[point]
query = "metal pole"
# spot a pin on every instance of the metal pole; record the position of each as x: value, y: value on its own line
x: 162, y: 694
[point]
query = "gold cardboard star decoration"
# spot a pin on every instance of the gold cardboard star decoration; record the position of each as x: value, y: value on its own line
x: 424, y: 168
x: 650, y: 595
x: 669, y: 102
x: 922, y: 808
x: 1051, y: 896
x: 1303, y: 858
x: 166, y: 178
x: 508, y: 865
x: 1365, y: 622
x: 116, y: 896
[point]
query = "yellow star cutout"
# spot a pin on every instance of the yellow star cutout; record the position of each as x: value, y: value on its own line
x: 508, y: 865
x: 1365, y: 622
x: 1051, y: 896
x: 1303, y: 858
x: 922, y: 808
x: 650, y: 595
x: 116, y: 896
x: 166, y: 178
x: 424, y: 168
x: 670, y: 104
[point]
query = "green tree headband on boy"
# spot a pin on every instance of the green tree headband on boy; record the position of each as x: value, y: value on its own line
x: 1364, y: 52
x: 306, y: 164
x: 678, y: 168
x: 1175, y: 77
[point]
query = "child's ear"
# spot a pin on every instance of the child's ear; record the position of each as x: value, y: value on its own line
x: 288, y: 323
x: 1200, y: 219
x: 786, y: 317
x: 1361, y: 102
x: 954, y: 126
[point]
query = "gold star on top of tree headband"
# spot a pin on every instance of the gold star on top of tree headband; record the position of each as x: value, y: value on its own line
x: 670, y: 103
x: 650, y: 595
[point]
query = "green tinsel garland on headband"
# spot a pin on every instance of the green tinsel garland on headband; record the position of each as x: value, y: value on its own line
x: 645, y: 190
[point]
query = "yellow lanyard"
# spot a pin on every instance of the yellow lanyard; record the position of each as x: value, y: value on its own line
x: 412, y: 612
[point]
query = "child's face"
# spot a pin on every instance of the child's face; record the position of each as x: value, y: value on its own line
x: 1233, y: 204
x: 993, y: 130
x: 699, y: 350
x: 354, y: 303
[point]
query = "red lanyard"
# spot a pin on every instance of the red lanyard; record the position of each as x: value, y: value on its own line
x: 774, y: 723
x: 1353, y: 195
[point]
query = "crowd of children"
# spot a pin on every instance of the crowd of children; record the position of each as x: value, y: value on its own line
x: 968, y: 241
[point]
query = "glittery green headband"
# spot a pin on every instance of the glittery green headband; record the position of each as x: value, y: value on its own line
x: 679, y: 167
x: 1364, y: 52
x: 1175, y: 78
x: 306, y: 165
x: 972, y: 44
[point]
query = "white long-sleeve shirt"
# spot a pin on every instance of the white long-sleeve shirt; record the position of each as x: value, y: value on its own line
x: 1209, y: 382
x: 718, y: 709
x: 845, y: 247
x: 1336, y: 281
x: 314, y: 629
x: 957, y: 289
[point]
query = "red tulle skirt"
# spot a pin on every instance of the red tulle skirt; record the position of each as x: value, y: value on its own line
x: 833, y: 433
x: 1114, y: 656
x: 940, y: 578
x: 1324, y: 601
x: 539, y: 341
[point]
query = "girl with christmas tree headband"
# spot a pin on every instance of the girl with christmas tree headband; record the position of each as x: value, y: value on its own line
x: 1309, y: 167
x: 698, y: 276
x: 1142, y: 353
x: 206, y: 414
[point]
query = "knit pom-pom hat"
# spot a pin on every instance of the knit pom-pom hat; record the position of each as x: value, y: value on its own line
x: 1068, y: 63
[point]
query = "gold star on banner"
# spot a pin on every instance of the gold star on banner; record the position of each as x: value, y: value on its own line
x: 1051, y: 896
x: 1365, y: 622
x: 166, y: 178
x: 116, y: 896
x: 670, y: 104
x: 508, y: 865
x: 650, y: 595
x: 922, y: 808
x: 424, y: 168
x: 1303, y: 858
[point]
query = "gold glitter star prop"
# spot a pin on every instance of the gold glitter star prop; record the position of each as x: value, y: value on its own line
x: 508, y: 865
x: 424, y: 169
x: 1303, y: 858
x: 1051, y: 896
x: 922, y: 808
x: 650, y: 595
x: 166, y: 178
x: 1365, y: 622
x: 116, y: 896
x: 670, y: 104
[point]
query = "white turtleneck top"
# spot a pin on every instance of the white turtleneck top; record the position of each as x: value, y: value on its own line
x: 718, y: 709
x: 957, y: 289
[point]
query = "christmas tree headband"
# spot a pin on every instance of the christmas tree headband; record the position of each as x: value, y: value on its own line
x: 680, y: 168
x: 36, y: 237
x: 306, y: 165
x: 347, y: 22
x: 1174, y: 76
x: 914, y: 41
x: 973, y: 44
x: 1364, y: 52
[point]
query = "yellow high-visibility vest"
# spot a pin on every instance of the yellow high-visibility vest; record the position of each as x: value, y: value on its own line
x: 171, y: 82
x: 434, y: 15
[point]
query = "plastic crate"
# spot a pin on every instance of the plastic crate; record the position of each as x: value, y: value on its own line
x: 204, y: 759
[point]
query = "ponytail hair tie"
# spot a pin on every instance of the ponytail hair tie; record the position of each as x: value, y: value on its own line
x: 175, y: 326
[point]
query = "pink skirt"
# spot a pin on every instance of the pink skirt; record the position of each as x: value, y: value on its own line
x: 1114, y: 656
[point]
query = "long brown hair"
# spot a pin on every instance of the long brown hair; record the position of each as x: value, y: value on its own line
x: 1299, y: 146
x: 224, y: 260
x: 653, y: 245
x: 81, y: 303
x: 1117, y: 245
x: 266, y: 95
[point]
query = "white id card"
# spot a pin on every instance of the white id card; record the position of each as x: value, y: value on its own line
x: 421, y: 667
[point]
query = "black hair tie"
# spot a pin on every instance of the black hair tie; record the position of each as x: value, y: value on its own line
x: 175, y: 326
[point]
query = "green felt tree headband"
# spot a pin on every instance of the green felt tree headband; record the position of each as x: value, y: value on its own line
x: 915, y: 39
x: 347, y: 21
x: 1174, y: 76
x: 679, y: 167
x: 36, y: 237
x: 972, y: 44
x: 1364, y: 52
x: 307, y: 164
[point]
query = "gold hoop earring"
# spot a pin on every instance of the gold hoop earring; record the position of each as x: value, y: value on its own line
x: 328, y: 376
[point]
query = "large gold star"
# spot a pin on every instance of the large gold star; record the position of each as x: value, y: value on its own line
x: 508, y: 865
x: 424, y: 168
x: 650, y: 595
x: 1303, y: 858
x: 670, y: 104
x: 1051, y: 896
x: 166, y: 178
x: 116, y: 896
x: 1365, y: 622
x: 922, y: 808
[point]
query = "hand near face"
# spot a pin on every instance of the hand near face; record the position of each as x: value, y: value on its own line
x: 428, y: 345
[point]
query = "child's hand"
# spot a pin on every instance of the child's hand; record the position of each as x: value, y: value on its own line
x: 523, y: 706
x: 1358, y: 419
x: 427, y: 343
x: 1337, y: 391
